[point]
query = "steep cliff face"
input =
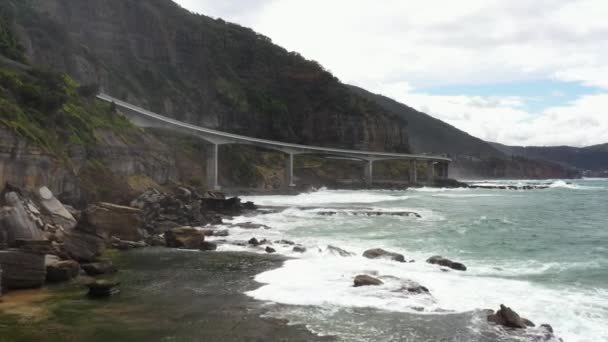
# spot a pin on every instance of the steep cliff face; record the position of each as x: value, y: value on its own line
x: 204, y: 71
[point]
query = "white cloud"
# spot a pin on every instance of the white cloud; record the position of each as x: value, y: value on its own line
x: 395, y: 47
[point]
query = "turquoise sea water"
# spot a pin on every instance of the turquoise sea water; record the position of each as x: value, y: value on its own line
x: 542, y: 252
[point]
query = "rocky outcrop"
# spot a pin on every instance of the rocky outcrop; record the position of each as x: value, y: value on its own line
x: 379, y: 253
x: 439, y: 260
x: 299, y: 249
x: 207, y: 246
x: 110, y: 220
x: 22, y: 270
x: 184, y: 237
x: 270, y: 250
x: 365, y: 280
x: 506, y: 317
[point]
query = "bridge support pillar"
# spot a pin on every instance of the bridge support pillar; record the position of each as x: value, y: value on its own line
x: 212, y: 167
x: 289, y: 170
x: 369, y: 172
x: 414, y: 171
x: 430, y: 172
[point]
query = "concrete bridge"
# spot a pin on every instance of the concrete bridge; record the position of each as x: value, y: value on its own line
x: 437, y: 166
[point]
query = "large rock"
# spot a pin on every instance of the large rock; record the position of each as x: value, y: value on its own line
x: 54, y: 210
x: 184, y: 237
x: 365, y: 280
x: 107, y: 220
x: 16, y: 221
x: 58, y: 271
x: 439, y: 260
x: 83, y: 247
x: 509, y: 318
x: 102, y: 288
x: 379, y: 253
x: 22, y: 270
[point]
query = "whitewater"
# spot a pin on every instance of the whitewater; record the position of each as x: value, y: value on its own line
x: 542, y: 252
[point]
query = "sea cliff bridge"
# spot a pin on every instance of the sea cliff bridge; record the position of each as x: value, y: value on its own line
x: 437, y: 166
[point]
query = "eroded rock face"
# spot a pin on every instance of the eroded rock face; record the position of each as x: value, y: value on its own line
x: 365, y: 280
x: 439, y: 260
x: 107, y: 220
x: 506, y: 317
x: 379, y: 253
x: 55, y: 212
x: 184, y: 237
x: 22, y: 270
x: 17, y: 220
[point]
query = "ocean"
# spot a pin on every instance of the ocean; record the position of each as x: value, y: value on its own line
x: 542, y: 252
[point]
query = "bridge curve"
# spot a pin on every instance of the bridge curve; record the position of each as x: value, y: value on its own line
x: 147, y: 119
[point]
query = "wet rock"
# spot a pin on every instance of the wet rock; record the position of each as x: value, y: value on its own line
x: 102, y: 288
x: 412, y: 287
x: 339, y: 251
x: 250, y: 225
x: 379, y: 253
x: 208, y: 246
x: 99, y: 268
x: 270, y: 250
x: 509, y: 318
x: 299, y: 249
x: 184, y: 237
x: 547, y: 327
x: 285, y: 242
x: 22, y: 270
x: 365, y: 280
x: 83, y: 247
x: 107, y: 220
x: 221, y: 233
x: 58, y: 271
x: 253, y: 242
x: 439, y: 260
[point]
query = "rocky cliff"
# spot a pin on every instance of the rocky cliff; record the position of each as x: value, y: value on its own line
x: 204, y: 71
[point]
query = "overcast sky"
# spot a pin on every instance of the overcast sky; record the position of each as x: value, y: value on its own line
x: 517, y: 72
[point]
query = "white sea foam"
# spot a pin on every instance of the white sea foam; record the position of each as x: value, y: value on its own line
x: 319, y: 278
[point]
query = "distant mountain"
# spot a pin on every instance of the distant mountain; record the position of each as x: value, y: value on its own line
x: 473, y: 157
x: 592, y: 158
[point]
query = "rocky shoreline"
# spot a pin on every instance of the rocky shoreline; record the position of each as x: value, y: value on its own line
x: 43, y: 242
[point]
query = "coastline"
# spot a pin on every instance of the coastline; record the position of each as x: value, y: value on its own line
x: 162, y: 290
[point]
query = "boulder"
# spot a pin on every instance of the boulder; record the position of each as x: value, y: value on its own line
x: 379, y: 253
x: 21, y: 270
x: 54, y: 210
x: 58, y: 271
x: 99, y: 268
x: 102, y: 288
x: 506, y: 317
x: 83, y: 247
x: 270, y: 250
x: 107, y: 220
x: 412, y: 287
x: 207, y: 246
x: 365, y: 280
x: 339, y: 251
x: 16, y: 221
x: 221, y: 233
x: 253, y: 242
x: 184, y: 237
x: 439, y: 260
x: 299, y: 249
x: 285, y: 242
x: 156, y: 241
